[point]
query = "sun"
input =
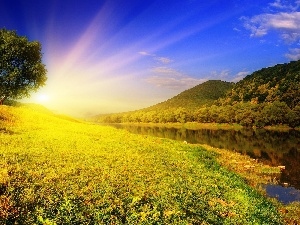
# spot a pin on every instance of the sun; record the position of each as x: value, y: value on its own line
x: 42, y: 98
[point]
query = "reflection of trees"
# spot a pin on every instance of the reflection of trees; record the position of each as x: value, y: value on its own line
x: 271, y: 147
x: 291, y: 173
x: 247, y: 141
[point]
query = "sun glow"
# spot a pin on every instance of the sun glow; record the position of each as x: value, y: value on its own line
x: 96, y: 74
x: 42, y: 98
x: 84, y: 78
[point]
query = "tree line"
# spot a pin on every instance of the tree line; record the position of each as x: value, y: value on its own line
x: 244, y: 113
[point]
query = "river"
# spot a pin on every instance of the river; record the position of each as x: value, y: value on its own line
x: 275, y: 148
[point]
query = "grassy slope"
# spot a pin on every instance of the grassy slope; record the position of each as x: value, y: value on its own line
x: 57, y: 171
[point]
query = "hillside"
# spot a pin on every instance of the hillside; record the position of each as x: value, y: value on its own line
x: 270, y: 96
x: 176, y: 108
x: 278, y: 83
x: 57, y: 171
x: 202, y: 94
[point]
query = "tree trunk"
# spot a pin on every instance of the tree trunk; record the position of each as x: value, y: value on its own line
x: 2, y: 100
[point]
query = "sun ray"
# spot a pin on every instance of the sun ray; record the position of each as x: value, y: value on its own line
x: 96, y: 63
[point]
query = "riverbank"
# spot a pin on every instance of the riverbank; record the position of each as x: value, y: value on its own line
x: 256, y: 174
x: 189, y: 125
x: 210, y: 126
x: 55, y: 170
x: 256, y: 170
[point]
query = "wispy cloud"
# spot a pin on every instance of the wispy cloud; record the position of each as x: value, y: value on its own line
x: 240, y: 75
x: 285, y: 5
x: 277, y: 4
x: 286, y: 22
x: 146, y: 53
x: 172, y: 79
x: 163, y: 60
x: 294, y: 54
x: 223, y: 74
x: 166, y: 71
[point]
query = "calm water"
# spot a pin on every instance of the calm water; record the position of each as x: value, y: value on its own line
x: 275, y: 148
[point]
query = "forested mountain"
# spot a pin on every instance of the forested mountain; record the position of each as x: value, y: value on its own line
x: 177, y: 108
x: 202, y: 94
x: 277, y: 83
x: 270, y: 96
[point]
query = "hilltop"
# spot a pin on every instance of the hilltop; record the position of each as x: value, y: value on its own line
x: 202, y: 94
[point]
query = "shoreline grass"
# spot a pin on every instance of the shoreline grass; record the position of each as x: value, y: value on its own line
x: 57, y: 171
x: 256, y: 174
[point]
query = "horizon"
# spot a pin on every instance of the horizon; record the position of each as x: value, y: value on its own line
x: 111, y: 56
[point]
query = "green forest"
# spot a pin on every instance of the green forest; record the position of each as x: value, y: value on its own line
x: 270, y: 96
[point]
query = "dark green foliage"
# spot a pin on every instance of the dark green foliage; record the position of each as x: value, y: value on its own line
x: 275, y: 113
x: 293, y: 117
x: 277, y: 83
x: 246, y: 114
x: 21, y: 68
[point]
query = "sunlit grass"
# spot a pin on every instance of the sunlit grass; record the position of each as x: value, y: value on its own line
x: 55, y: 170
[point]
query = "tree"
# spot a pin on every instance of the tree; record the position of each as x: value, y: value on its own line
x: 181, y: 115
x: 21, y: 68
x: 276, y: 113
x: 294, y: 117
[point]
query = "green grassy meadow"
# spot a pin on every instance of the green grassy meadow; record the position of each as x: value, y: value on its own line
x: 57, y: 170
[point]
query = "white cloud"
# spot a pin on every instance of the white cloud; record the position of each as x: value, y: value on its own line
x: 240, y: 75
x: 287, y: 24
x: 294, y: 54
x: 166, y: 71
x: 172, y: 79
x: 285, y: 5
x: 285, y: 20
x: 277, y: 4
x: 223, y: 74
x: 163, y: 60
x: 146, y: 53
x: 243, y: 73
x: 236, y: 29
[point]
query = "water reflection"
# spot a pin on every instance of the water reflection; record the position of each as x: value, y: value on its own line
x: 283, y: 194
x: 275, y: 148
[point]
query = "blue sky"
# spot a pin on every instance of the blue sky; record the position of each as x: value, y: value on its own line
x: 115, y: 55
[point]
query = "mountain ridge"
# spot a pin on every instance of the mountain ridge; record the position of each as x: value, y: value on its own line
x: 267, y: 97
